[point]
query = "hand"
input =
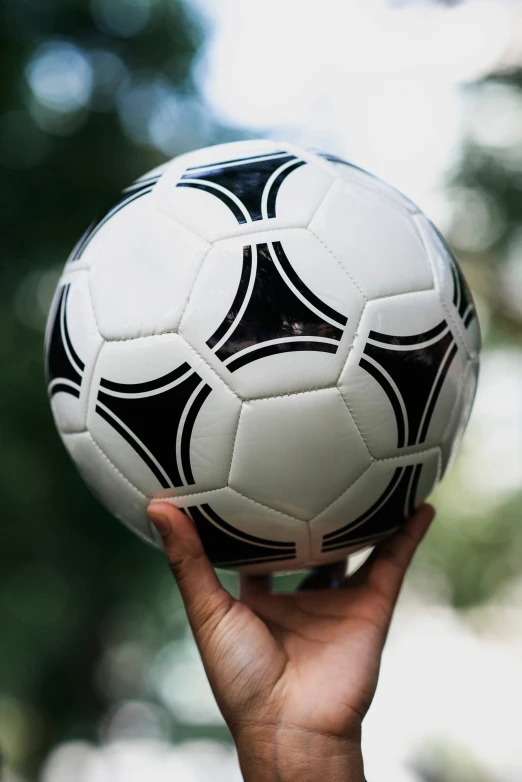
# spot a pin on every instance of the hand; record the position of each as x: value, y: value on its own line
x: 293, y: 674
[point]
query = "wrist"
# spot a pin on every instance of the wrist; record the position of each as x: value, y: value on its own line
x: 285, y: 754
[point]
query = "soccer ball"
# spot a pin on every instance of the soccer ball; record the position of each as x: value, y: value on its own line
x: 271, y: 339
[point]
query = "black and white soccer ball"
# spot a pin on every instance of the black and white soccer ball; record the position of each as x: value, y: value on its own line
x: 271, y: 339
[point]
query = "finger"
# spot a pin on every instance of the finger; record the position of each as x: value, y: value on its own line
x: 325, y: 576
x: 206, y: 600
x: 251, y: 586
x: 384, y: 570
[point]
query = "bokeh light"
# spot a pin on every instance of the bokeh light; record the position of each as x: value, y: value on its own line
x: 109, y: 71
x: 60, y: 76
x: 122, y: 17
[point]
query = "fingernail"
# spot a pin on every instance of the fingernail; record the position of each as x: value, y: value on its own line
x: 160, y: 521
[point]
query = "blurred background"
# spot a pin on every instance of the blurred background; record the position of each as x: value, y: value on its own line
x: 99, y: 677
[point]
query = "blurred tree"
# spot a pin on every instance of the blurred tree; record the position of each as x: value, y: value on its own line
x: 479, y: 560
x: 446, y: 762
x: 487, y: 190
x: 91, y: 96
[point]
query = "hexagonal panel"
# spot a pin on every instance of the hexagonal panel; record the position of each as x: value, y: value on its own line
x: 233, y: 188
x: 403, y: 377
x: 452, y: 286
x: 374, y: 239
x: 162, y: 416
x: 111, y: 224
x: 273, y: 313
x: 374, y: 506
x: 297, y: 453
x: 351, y: 174
x: 241, y: 534
x: 110, y: 487
x: 141, y: 276
x: 72, y: 345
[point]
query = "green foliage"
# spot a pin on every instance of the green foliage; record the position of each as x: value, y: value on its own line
x: 472, y: 557
x: 71, y: 579
x: 488, y: 187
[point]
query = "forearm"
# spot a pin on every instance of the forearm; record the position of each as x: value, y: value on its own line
x: 300, y: 755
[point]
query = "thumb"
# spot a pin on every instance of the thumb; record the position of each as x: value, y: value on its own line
x: 206, y: 600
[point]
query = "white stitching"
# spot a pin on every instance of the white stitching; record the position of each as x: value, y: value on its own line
x: 427, y: 249
x: 156, y: 334
x: 336, y: 259
x: 219, y: 378
x: 185, y: 342
x: 187, y: 495
x: 148, y: 497
x: 280, y: 228
x: 156, y: 206
x: 372, y: 184
x: 323, y: 199
x: 151, y: 539
x: 172, y: 501
x: 234, y: 444
x: 153, y: 333
x: 102, y: 452
x: 290, y: 393
x: 91, y: 384
x: 268, y: 507
x: 185, y: 305
x: 209, y: 366
x: 421, y: 452
x: 437, y: 288
x: 403, y: 293
x: 354, y: 337
x: 61, y: 430
x: 402, y: 457
x: 344, y: 491
x: 356, y: 424
x: 388, y: 198
x: 91, y: 298
x: 459, y: 335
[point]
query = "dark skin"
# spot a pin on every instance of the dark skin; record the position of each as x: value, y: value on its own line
x: 293, y: 674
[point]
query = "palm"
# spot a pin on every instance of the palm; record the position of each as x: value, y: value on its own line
x: 311, y: 656
x: 308, y: 660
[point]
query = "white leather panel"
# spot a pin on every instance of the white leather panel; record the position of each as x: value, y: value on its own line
x: 297, y: 453
x: 375, y: 240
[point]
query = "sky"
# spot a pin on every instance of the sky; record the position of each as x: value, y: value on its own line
x: 374, y: 82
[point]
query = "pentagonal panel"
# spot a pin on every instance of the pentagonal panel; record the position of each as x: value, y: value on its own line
x: 374, y: 506
x: 112, y: 223
x: 351, y: 174
x: 273, y: 313
x: 232, y: 188
x: 108, y: 484
x: 374, y: 239
x: 458, y: 420
x: 162, y: 416
x: 451, y: 285
x: 72, y: 345
x: 141, y: 277
x: 243, y: 535
x: 403, y: 377
x: 297, y: 453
